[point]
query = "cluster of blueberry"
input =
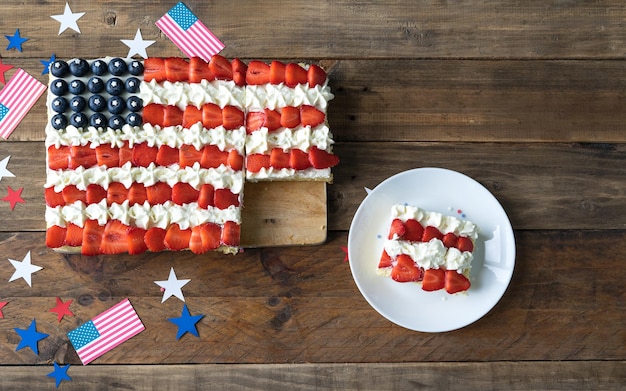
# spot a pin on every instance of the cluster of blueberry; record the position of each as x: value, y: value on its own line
x: 105, y: 104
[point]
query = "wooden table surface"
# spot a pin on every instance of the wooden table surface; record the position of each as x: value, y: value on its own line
x: 528, y: 98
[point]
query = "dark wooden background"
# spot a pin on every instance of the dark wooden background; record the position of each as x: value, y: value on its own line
x: 527, y: 97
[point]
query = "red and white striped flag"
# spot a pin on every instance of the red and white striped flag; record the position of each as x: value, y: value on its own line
x: 189, y: 33
x: 106, y: 331
x: 16, y: 98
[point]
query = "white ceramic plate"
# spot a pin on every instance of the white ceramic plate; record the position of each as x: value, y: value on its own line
x: 451, y: 193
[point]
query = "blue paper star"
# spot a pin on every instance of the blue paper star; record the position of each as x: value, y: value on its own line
x: 60, y: 373
x: 16, y: 41
x: 186, y: 323
x: 30, y: 337
x: 46, y: 64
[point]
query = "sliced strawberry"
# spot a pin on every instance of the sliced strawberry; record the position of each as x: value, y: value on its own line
x: 295, y: 74
x: 114, y: 238
x: 298, y: 159
x: 256, y: 161
x: 154, y: 68
x: 116, y: 193
x: 289, y: 117
x: 431, y: 232
x: 321, y: 159
x: 405, y: 269
x: 316, y: 76
x: 159, y: 193
x: 199, y: 70
x: 143, y: 154
x: 239, y: 72
x: 53, y: 199
x: 82, y: 155
x: 311, y: 116
x: 126, y: 154
x: 465, y: 244
x: 58, y: 158
x: 456, y: 282
x: 385, y: 260
x: 397, y: 229
x: 205, y: 198
x: 92, y: 237
x: 213, y: 157
x: 450, y: 240
x: 221, y: 68
x: 167, y: 155
x: 135, y: 240
x: 184, y: 193
x: 414, y: 230
x: 258, y: 73
x: 195, y: 241
x: 155, y: 239
x: 153, y: 114
x: 279, y: 158
x: 73, y: 235
x: 231, y: 232
x: 277, y: 72
x: 434, y: 279
x: 188, y: 155
x: 95, y: 193
x: 255, y: 120
x: 272, y: 120
x: 223, y: 198
x: 232, y: 117
x: 55, y: 236
x: 177, y: 239
x: 235, y: 160
x: 176, y: 69
x: 106, y: 155
x: 211, y: 116
x: 191, y: 116
x: 71, y: 194
x: 137, y: 194
x: 172, y: 116
x: 211, y: 235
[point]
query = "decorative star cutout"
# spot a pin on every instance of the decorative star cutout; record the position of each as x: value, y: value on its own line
x: 62, y: 308
x: 24, y: 269
x: 30, y: 337
x: 2, y: 304
x: 186, y: 323
x: 46, y: 64
x: 60, y: 373
x: 68, y: 19
x: 137, y: 45
x: 14, y: 197
x: 345, y: 250
x: 172, y: 286
x: 3, y: 68
x: 16, y: 41
x: 3, y: 168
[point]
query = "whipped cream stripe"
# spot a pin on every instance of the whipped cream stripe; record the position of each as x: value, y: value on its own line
x: 276, y: 96
x: 300, y: 137
x: 431, y: 255
x: 443, y: 223
x: 220, y: 92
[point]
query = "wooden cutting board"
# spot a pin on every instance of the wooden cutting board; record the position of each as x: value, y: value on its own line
x: 283, y: 214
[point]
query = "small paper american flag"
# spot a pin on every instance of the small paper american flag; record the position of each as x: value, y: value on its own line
x: 106, y: 331
x: 189, y: 33
x: 16, y: 98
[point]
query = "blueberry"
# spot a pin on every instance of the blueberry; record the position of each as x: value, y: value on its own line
x: 59, y: 68
x: 116, y: 122
x: 116, y: 105
x: 79, y: 67
x: 78, y: 120
x: 77, y: 87
x: 115, y: 86
x: 98, y: 120
x: 97, y: 103
x: 117, y: 67
x: 58, y: 87
x: 59, y: 121
x: 132, y: 84
x: 95, y: 85
x: 59, y: 104
x: 135, y: 68
x: 78, y: 104
x: 133, y: 119
x: 134, y: 104
x: 98, y: 67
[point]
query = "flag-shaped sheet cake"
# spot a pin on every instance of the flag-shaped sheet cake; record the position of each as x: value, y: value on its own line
x: 149, y: 155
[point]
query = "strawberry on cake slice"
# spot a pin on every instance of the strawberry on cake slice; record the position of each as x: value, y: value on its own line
x: 428, y: 247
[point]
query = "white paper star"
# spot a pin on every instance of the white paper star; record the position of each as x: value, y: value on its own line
x: 24, y: 269
x: 68, y: 19
x: 137, y: 45
x: 172, y: 286
x: 3, y: 168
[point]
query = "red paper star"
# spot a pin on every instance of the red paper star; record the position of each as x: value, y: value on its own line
x: 3, y: 68
x: 62, y: 308
x: 2, y: 304
x: 14, y: 197
x: 345, y: 250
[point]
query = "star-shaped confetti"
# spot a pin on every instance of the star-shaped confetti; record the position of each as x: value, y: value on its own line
x: 172, y: 286
x: 68, y: 19
x: 16, y: 41
x: 3, y: 168
x: 186, y: 323
x: 3, y: 68
x: 62, y: 308
x: 14, y: 197
x: 46, y: 64
x: 24, y: 269
x: 30, y: 337
x: 60, y: 373
x: 2, y: 304
x: 345, y: 250
x: 137, y: 45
